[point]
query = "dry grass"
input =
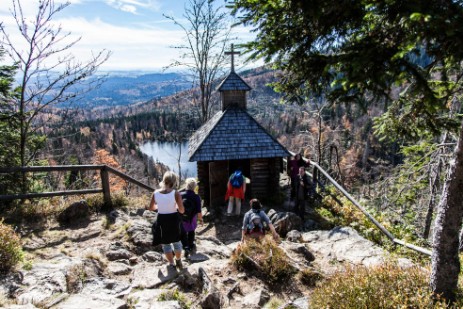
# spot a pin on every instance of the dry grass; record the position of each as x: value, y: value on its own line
x: 386, y: 286
x: 266, y: 257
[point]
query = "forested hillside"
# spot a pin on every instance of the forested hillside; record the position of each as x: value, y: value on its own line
x: 391, y: 174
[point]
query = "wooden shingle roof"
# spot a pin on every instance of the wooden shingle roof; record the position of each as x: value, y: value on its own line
x: 231, y: 135
x: 233, y: 82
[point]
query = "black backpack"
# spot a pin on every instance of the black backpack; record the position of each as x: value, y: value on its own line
x: 190, y: 207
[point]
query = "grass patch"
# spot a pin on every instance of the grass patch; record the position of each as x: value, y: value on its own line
x: 266, y: 257
x: 386, y: 286
x: 175, y: 295
x: 309, y: 277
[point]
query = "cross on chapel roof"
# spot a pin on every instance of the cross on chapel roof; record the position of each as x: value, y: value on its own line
x: 232, y: 53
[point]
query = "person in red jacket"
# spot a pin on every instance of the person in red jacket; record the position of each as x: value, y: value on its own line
x: 236, y: 188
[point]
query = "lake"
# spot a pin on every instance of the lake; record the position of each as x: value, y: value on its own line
x: 167, y: 153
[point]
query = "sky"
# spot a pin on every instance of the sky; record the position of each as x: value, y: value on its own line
x: 135, y: 31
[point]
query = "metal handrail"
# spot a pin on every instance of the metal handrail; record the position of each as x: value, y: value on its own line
x: 369, y: 216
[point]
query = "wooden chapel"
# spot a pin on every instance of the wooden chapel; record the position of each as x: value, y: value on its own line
x: 233, y: 139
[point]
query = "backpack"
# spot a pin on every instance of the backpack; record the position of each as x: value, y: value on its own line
x: 190, y: 207
x: 255, y: 222
x: 236, y: 180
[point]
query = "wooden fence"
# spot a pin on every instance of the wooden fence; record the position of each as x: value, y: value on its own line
x: 104, y: 174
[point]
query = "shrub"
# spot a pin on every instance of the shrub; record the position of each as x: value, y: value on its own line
x: 386, y: 286
x: 10, y: 248
x: 266, y: 257
x: 96, y: 201
x: 309, y: 277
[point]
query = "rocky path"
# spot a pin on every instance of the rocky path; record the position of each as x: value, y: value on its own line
x: 110, y: 263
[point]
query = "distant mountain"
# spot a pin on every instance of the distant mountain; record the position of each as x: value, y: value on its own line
x: 125, y: 88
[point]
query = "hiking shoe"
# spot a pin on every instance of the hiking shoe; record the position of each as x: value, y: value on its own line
x: 187, y: 254
x: 179, y: 264
x: 171, y: 268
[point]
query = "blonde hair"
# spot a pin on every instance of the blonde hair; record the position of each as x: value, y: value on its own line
x: 169, y: 180
x: 190, y: 184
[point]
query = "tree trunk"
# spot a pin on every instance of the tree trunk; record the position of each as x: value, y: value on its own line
x: 445, y: 261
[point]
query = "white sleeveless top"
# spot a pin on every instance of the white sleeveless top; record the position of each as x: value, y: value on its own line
x: 166, y: 202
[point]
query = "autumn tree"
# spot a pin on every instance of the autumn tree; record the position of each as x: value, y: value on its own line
x: 49, y: 76
x: 347, y: 51
x: 206, y: 35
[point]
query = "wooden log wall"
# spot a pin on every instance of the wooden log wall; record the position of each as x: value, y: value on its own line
x: 265, y: 177
x: 203, y: 186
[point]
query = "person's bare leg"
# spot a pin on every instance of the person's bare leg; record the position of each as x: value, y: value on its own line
x: 238, y: 206
x: 170, y: 257
x: 230, y: 205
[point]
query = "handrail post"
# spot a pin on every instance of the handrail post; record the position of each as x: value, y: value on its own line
x: 106, y: 188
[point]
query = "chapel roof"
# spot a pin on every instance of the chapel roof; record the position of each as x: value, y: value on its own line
x: 233, y: 82
x: 233, y: 134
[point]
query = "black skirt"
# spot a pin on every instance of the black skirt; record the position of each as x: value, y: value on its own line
x: 167, y: 229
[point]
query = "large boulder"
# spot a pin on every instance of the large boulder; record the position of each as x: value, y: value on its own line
x: 76, y: 212
x: 285, y: 221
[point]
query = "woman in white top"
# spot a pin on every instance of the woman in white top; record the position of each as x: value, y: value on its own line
x: 167, y: 229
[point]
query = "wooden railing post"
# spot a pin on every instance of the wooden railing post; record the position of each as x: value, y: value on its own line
x: 106, y: 188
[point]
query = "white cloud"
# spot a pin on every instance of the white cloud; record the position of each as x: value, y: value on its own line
x: 132, y: 6
x: 140, y: 47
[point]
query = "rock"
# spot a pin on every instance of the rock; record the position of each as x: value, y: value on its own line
x: 285, y: 221
x: 27, y: 306
x: 86, y: 235
x: 117, y: 268
x: 300, y: 303
x: 107, y: 287
x: 171, y: 304
x: 212, y: 300
x: 118, y: 217
x: 311, y: 225
x: 140, y: 234
x: 10, y: 283
x: 150, y: 216
x: 75, y: 212
x: 153, y: 256
x: 91, y: 301
x: 294, y: 236
x: 118, y: 254
x: 143, y: 299
x: 147, y: 276
x: 344, y: 244
x: 133, y: 260
x: 211, y: 247
x: 300, y: 249
x: 256, y: 299
x: 46, y: 280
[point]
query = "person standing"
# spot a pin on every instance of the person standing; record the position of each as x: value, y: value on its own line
x: 192, y: 215
x: 168, y: 226
x: 236, y: 188
x: 303, y: 185
x: 293, y: 169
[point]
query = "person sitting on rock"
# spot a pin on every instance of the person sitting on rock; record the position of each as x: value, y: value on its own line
x: 256, y: 222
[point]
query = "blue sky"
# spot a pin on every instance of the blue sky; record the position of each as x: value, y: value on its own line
x: 135, y: 31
